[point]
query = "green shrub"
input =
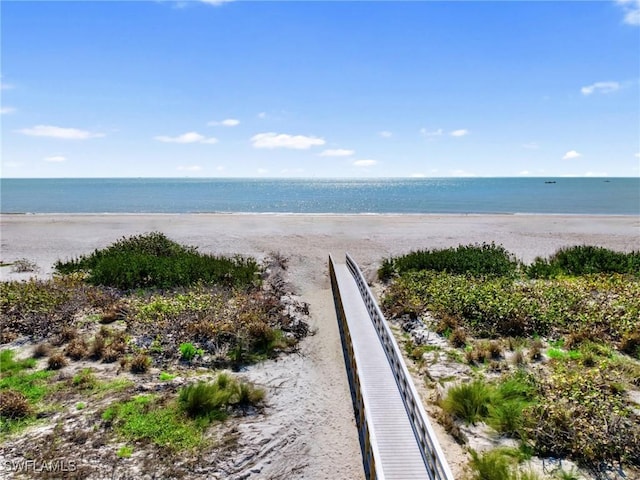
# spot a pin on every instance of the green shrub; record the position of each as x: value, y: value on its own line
x: 495, y: 464
x: 585, y: 259
x: 468, y: 401
x: 478, y: 260
x: 207, y: 400
x: 153, y: 261
x: 212, y: 400
x: 511, y: 396
x: 189, y: 351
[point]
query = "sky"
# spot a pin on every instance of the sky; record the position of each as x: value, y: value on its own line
x: 320, y: 89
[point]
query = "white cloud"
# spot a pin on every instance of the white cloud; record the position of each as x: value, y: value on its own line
x: 459, y: 133
x: 262, y: 171
x: 596, y: 174
x: 7, y: 110
x: 436, y: 133
x: 525, y: 172
x: 637, y: 155
x: 338, y: 152
x: 600, y: 87
x: 59, y: 132
x: 531, y: 146
x: 418, y: 175
x: 385, y: 134
x: 571, y: 154
x: 262, y: 115
x: 365, y: 163
x: 631, y: 9
x: 229, y: 122
x: 6, y: 86
x: 55, y: 159
x: 189, y: 137
x: 189, y: 168
x: 283, y: 140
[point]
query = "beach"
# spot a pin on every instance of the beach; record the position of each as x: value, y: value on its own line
x: 308, y: 430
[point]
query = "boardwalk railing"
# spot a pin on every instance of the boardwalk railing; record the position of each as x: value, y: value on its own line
x: 435, y: 463
x: 370, y: 452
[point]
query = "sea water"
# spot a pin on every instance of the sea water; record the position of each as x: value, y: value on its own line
x: 608, y: 196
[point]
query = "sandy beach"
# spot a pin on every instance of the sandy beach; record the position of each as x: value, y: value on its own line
x: 309, y: 430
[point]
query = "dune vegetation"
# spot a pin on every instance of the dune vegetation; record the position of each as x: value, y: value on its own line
x: 551, y: 350
x: 134, y: 348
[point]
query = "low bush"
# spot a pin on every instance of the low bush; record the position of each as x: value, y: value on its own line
x: 477, y: 260
x: 153, y: 261
x: 585, y: 259
x: 584, y: 416
x: 605, y: 306
x: 46, y: 308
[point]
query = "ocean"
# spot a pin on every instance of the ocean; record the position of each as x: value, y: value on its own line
x: 607, y: 196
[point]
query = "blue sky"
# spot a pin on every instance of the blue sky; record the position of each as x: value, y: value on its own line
x: 320, y: 89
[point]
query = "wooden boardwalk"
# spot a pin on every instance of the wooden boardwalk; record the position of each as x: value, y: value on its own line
x: 391, y: 446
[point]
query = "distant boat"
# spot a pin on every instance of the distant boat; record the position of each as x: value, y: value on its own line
x: 550, y: 181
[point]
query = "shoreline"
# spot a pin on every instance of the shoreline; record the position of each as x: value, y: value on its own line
x: 323, y: 214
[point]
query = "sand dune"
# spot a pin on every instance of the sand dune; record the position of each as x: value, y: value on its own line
x: 309, y: 430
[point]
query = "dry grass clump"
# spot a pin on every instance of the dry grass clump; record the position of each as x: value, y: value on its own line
x: 140, y: 363
x: 77, y: 349
x: 56, y: 361
x: 97, y: 346
x: 535, y: 351
x: 449, y: 424
x: 519, y: 359
x: 630, y: 344
x: 458, y: 338
x: 41, y: 350
x: 484, y: 351
x: 14, y: 404
x: 66, y: 334
x: 495, y: 350
x: 115, y: 312
x: 24, y: 265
